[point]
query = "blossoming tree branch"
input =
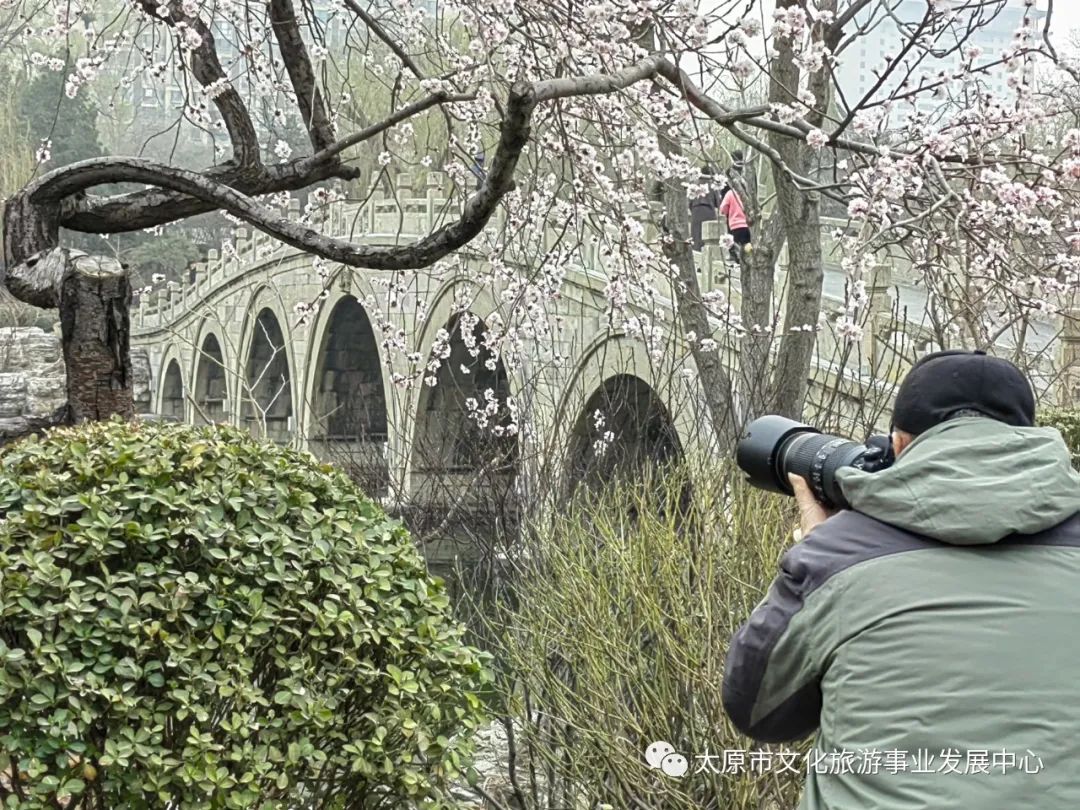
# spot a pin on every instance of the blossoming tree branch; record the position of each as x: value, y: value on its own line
x: 581, y: 115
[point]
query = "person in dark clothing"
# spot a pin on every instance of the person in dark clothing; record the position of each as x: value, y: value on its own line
x: 478, y: 169
x: 935, y: 620
x: 704, y: 208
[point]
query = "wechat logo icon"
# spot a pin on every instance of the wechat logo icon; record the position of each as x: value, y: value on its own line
x: 662, y: 756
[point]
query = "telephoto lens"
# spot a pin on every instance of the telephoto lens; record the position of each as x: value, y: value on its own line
x: 774, y: 446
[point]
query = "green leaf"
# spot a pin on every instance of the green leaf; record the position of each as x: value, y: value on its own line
x: 209, y: 603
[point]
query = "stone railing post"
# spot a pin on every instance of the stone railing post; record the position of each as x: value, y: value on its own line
x: 432, y: 201
x: 879, y: 318
x: 1069, y: 357
x: 652, y: 221
x: 712, y: 266
x: 404, y: 185
x: 162, y: 296
x: 175, y: 300
x: 243, y: 245
x: 550, y: 239
x: 213, y: 259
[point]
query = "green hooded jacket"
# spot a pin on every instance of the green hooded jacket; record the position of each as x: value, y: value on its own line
x: 930, y: 636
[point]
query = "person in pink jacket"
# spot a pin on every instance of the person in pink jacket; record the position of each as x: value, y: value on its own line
x: 738, y: 226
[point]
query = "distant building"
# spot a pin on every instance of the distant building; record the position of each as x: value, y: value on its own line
x: 860, y: 64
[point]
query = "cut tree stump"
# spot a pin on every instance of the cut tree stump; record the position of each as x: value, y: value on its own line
x: 93, y: 296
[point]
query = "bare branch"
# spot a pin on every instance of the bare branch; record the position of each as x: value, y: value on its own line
x: 378, y: 31
x: 729, y: 118
x: 408, y: 111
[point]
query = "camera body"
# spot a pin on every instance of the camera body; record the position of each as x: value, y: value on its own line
x: 774, y: 446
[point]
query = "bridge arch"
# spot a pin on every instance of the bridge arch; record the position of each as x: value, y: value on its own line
x: 210, y: 376
x: 348, y: 410
x: 171, y: 395
x: 642, y: 419
x: 465, y: 447
x: 266, y: 388
x: 454, y: 297
x: 623, y: 429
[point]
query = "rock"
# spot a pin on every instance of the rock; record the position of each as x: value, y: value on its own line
x: 46, y: 394
x: 140, y: 372
x: 491, y: 762
x: 12, y: 394
x: 27, y: 349
x: 32, y: 380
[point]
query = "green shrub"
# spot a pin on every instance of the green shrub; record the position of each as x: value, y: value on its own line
x: 190, y: 618
x: 1066, y: 420
x: 615, y: 635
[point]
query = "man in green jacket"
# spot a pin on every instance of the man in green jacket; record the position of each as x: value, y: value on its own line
x: 930, y: 636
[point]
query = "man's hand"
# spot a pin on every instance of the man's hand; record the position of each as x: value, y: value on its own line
x: 811, y: 512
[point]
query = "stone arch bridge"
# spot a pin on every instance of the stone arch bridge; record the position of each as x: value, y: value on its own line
x: 230, y: 346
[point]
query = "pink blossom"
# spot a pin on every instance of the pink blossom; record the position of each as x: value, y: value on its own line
x: 816, y: 139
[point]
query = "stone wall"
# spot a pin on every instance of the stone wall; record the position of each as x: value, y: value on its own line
x: 32, y: 380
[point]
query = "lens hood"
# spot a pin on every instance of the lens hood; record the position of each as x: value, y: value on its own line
x: 758, y: 451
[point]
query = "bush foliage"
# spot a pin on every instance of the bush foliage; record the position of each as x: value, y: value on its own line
x: 190, y: 618
x: 1067, y: 421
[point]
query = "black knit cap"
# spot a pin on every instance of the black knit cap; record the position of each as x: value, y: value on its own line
x: 943, y: 383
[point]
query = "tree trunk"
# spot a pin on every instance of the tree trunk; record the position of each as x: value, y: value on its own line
x: 693, y: 314
x: 756, y: 310
x: 757, y: 279
x: 800, y: 212
x: 93, y: 296
x: 94, y: 318
x: 802, y: 222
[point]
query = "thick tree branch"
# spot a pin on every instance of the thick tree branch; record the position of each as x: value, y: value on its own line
x: 206, y: 67
x: 1046, y: 30
x: 297, y: 62
x: 182, y: 193
x: 158, y: 206
x: 46, y: 193
x: 598, y: 84
x: 37, y: 281
x: 145, y: 209
x: 753, y: 116
x: 836, y: 30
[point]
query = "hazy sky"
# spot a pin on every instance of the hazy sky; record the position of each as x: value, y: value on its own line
x: 1066, y: 16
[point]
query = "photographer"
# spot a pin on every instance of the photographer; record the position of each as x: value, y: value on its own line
x: 934, y: 623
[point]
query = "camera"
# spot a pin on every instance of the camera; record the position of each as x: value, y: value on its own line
x: 774, y: 446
